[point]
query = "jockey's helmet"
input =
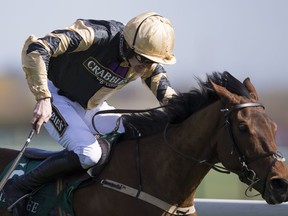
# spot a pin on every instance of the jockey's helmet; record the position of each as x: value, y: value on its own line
x: 152, y: 36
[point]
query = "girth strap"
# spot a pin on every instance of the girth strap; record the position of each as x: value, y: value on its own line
x: 171, y: 209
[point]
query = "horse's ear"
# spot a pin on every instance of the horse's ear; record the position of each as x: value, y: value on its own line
x: 225, y: 95
x: 251, y: 88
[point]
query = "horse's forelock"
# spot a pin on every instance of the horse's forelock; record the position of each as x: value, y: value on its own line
x: 228, y: 81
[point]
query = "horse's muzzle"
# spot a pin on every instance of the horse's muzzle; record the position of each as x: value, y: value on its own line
x: 276, y: 191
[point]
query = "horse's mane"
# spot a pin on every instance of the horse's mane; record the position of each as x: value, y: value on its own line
x: 183, y: 105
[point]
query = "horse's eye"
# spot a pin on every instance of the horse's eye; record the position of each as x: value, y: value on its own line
x: 243, y: 127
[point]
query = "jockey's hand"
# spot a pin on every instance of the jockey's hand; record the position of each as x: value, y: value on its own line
x: 41, y: 113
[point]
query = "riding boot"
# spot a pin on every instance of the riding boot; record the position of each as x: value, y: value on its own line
x: 57, y: 165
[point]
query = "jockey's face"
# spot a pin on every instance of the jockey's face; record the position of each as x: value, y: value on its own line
x: 140, y: 64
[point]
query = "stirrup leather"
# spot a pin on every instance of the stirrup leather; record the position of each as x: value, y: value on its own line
x: 18, y: 200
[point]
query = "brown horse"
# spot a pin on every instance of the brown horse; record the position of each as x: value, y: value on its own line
x: 158, y: 164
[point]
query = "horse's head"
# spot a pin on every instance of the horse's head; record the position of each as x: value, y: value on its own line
x: 250, y: 149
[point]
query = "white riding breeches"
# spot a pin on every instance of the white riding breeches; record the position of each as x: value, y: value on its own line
x: 71, y: 126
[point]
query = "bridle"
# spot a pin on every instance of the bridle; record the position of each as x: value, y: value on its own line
x: 247, y: 173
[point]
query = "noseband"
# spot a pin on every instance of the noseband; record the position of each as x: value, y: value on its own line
x: 247, y: 173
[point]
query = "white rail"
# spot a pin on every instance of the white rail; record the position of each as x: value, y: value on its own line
x: 226, y: 207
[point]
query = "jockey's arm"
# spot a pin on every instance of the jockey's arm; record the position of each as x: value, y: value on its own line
x: 37, y: 52
x: 36, y: 56
x: 159, y: 84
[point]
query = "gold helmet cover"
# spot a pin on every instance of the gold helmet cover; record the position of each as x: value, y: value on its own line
x: 152, y: 36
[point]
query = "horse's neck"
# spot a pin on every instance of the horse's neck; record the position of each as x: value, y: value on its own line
x: 196, y: 136
x: 177, y: 176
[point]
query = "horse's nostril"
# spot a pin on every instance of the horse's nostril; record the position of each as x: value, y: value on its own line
x: 279, y: 184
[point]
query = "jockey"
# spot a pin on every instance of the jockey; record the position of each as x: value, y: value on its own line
x: 73, y: 71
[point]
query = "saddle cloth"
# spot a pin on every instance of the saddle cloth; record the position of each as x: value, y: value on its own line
x: 55, y: 198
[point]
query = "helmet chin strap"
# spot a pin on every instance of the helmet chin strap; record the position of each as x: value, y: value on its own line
x: 125, y: 51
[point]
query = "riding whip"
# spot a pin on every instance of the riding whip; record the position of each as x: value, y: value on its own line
x: 15, y: 163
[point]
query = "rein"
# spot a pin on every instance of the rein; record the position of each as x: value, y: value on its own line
x: 246, y: 172
x: 122, y: 111
x: 213, y: 166
x: 228, y: 126
x: 138, y: 193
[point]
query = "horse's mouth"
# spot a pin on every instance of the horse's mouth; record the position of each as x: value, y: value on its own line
x: 273, y: 200
x: 276, y: 191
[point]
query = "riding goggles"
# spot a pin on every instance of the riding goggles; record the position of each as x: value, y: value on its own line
x: 143, y: 60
